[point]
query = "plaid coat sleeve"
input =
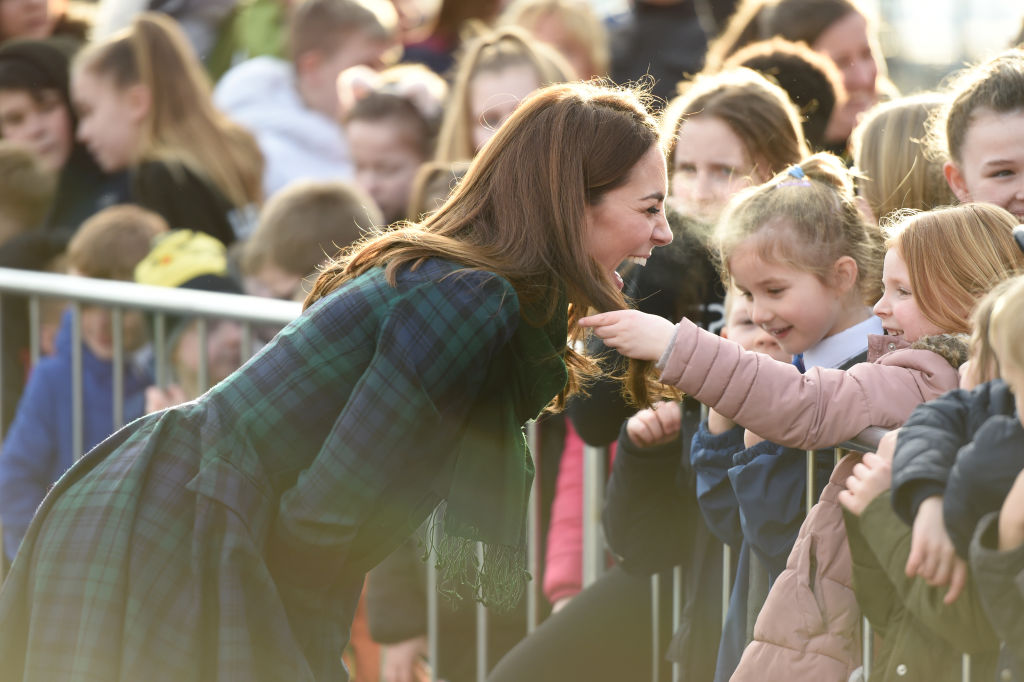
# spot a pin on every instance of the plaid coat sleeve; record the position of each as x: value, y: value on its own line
x: 428, y: 363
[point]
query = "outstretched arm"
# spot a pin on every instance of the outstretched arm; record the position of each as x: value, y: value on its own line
x: 634, y: 334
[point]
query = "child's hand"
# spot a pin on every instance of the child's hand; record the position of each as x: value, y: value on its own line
x: 931, y: 551
x: 632, y: 333
x: 871, y: 477
x: 655, y: 425
x: 1011, y: 517
x: 161, y: 398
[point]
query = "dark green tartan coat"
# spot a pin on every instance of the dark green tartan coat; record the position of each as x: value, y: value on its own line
x: 227, y: 538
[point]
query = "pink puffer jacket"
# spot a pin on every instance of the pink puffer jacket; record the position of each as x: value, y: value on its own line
x: 809, y: 627
x: 817, y: 409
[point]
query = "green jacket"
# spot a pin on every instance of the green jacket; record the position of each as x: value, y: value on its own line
x: 256, y: 28
x: 916, y: 636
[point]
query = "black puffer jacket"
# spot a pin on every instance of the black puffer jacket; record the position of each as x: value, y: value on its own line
x: 933, y: 435
x: 981, y: 477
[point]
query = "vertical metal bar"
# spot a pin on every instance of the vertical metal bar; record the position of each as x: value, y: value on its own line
x: 117, y: 323
x: 160, y: 349
x: 726, y: 580
x: 655, y: 627
x: 594, y: 461
x: 965, y: 669
x: 481, y: 627
x: 246, y: 340
x: 77, y: 435
x: 810, y: 480
x: 34, y: 325
x: 203, y: 379
x: 432, y: 610
x: 867, y: 648
x: 677, y: 609
x: 533, y: 547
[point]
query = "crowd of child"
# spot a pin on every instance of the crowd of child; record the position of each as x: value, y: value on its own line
x: 843, y: 257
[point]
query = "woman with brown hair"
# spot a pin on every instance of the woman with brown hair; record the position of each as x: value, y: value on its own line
x: 227, y: 538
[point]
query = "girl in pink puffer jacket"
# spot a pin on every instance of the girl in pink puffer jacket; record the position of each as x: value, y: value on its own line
x: 937, y: 265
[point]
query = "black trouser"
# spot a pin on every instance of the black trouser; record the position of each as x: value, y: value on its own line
x: 603, y: 633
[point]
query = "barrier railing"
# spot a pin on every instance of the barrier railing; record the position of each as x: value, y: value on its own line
x: 251, y: 312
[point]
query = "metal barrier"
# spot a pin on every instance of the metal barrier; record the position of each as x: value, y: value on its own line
x: 252, y: 311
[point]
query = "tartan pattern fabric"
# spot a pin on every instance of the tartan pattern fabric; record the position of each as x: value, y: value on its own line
x: 227, y: 539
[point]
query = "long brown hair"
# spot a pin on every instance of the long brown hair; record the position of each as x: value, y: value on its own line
x: 520, y: 211
x: 183, y: 125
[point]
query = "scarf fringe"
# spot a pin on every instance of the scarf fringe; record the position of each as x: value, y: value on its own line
x: 499, y: 582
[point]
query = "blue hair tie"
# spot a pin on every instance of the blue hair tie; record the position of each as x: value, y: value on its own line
x: 799, y: 178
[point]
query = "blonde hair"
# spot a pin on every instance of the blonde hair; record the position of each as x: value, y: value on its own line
x: 759, y: 112
x: 110, y: 244
x: 955, y: 256
x: 996, y: 85
x: 890, y: 152
x: 183, y: 126
x: 806, y: 218
x: 984, y: 362
x: 306, y: 224
x: 520, y: 212
x: 1007, y: 324
x: 494, y: 51
x: 578, y: 19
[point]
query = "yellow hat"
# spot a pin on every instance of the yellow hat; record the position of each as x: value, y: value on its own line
x: 180, y: 256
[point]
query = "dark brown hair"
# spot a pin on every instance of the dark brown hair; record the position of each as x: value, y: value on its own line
x: 996, y: 85
x: 520, y: 210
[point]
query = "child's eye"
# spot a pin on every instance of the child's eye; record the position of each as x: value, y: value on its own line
x: 654, y: 210
x: 686, y: 168
x: 747, y: 295
x: 775, y: 292
x: 903, y: 292
x: 1005, y: 173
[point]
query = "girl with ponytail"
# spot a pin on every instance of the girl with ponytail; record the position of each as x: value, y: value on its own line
x: 143, y: 102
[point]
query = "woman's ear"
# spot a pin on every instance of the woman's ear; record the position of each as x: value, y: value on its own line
x: 138, y: 99
x: 844, y: 274
x: 956, y: 181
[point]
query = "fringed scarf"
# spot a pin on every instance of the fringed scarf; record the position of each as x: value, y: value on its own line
x: 490, y: 489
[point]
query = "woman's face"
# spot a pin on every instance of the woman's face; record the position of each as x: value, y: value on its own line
x: 26, y: 19
x: 109, y: 119
x: 847, y: 43
x: 629, y: 221
x: 991, y: 166
x: 710, y: 165
x: 38, y: 121
x: 386, y: 163
x: 494, y: 95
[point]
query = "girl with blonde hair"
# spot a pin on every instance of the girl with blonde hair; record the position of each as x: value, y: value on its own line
x: 143, y: 102
x: 494, y: 73
x: 925, y: 307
